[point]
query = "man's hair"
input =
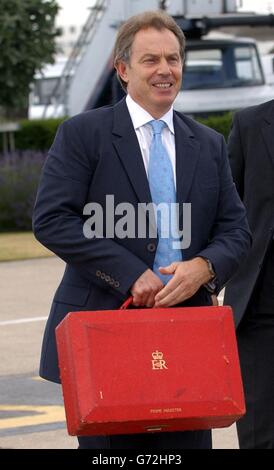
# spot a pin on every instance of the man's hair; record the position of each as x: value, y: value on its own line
x: 150, y: 19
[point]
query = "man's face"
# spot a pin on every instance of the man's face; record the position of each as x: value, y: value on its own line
x: 154, y: 74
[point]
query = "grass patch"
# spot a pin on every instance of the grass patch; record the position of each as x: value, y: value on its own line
x: 21, y: 246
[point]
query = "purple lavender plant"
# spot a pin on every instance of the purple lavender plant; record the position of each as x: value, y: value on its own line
x: 19, y: 177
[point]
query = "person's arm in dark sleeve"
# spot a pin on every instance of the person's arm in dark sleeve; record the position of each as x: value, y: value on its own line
x: 236, y: 155
x: 230, y: 238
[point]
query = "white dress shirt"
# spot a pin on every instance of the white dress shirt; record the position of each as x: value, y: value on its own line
x: 140, y: 119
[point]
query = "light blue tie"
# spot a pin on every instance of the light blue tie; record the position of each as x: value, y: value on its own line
x: 162, y: 189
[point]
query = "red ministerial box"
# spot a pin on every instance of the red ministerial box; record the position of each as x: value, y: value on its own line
x: 138, y: 371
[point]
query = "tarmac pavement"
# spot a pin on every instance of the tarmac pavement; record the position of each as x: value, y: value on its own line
x: 31, y: 410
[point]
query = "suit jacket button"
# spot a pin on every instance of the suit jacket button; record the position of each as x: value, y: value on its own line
x: 107, y: 278
x: 117, y: 284
x: 98, y: 273
x: 112, y: 282
x: 151, y: 247
x: 103, y: 276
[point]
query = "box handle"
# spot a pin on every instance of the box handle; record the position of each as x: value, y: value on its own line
x: 127, y: 303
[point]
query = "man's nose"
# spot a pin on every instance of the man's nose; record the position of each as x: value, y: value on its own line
x: 164, y: 68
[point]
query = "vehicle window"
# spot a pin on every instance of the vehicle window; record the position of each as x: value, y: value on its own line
x: 247, y: 65
x: 230, y: 65
x: 203, y: 68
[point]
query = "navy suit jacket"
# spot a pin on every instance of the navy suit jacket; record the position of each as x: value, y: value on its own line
x: 97, y: 154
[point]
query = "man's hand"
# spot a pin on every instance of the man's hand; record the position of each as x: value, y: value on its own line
x: 145, y: 289
x: 188, y: 277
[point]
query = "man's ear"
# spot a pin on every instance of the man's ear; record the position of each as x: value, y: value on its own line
x: 121, y: 68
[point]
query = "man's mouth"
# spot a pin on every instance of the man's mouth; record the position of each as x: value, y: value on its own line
x: 163, y: 86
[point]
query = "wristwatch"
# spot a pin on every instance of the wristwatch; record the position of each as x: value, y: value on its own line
x: 210, y: 286
x: 210, y: 268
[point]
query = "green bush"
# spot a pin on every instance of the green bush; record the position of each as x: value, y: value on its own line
x: 39, y: 134
x: 36, y: 134
x: 220, y: 123
x: 20, y: 171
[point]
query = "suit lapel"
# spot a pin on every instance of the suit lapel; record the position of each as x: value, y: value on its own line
x: 187, y: 157
x: 268, y: 131
x: 127, y: 146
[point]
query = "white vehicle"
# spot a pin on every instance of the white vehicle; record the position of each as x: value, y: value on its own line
x: 219, y: 75
x: 222, y: 75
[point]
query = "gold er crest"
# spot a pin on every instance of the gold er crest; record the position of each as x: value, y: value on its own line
x: 158, y: 362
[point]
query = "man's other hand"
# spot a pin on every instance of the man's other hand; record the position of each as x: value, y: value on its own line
x: 188, y: 277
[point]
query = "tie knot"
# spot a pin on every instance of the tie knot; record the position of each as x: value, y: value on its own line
x: 157, y: 126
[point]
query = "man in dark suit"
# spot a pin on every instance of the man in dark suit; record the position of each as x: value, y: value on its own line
x: 109, y: 151
x: 251, y: 290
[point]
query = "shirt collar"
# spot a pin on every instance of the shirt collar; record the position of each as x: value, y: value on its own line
x: 140, y: 116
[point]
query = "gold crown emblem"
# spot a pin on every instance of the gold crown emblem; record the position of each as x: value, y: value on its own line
x: 157, y: 355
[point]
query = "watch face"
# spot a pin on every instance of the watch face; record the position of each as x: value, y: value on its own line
x: 212, y: 286
x: 210, y: 268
